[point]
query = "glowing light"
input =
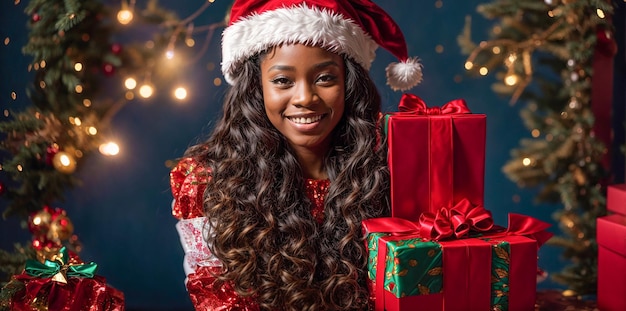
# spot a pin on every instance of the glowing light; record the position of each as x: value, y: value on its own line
x: 109, y: 149
x: 483, y: 71
x: 469, y: 65
x: 92, y: 130
x: 87, y: 102
x: 600, y: 13
x: 75, y: 121
x: 64, y: 160
x: 146, y: 91
x: 124, y: 16
x: 130, y: 83
x: 511, y: 79
x: 169, y: 54
x: 526, y: 161
x: 496, y: 50
x: 512, y: 57
x: 217, y: 81
x: 190, y: 42
x: 535, y: 133
x: 78, y: 66
x: 78, y: 88
x: 180, y: 93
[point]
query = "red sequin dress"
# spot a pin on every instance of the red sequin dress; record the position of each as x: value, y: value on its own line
x: 188, y: 182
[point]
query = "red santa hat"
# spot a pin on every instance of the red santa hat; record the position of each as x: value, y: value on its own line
x: 352, y: 27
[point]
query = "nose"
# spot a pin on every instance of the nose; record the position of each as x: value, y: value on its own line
x: 305, y: 95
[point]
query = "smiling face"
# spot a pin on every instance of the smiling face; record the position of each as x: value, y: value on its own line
x: 303, y: 91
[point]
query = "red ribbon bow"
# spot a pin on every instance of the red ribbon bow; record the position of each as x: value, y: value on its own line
x: 457, y: 221
x: 412, y: 103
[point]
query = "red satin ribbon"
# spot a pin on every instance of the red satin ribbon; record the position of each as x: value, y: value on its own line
x: 602, y: 90
x: 413, y: 104
x: 456, y: 222
x: 529, y: 227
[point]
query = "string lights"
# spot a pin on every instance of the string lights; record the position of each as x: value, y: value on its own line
x: 519, y: 70
x: 177, y: 32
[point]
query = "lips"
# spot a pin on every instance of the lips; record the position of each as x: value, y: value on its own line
x: 306, y: 119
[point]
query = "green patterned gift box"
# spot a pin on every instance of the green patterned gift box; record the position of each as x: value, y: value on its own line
x: 496, y: 273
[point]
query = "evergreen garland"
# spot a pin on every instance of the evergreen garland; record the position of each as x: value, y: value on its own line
x: 541, y: 52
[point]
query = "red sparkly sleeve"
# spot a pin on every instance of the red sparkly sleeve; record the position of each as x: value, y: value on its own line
x: 208, y: 294
x: 188, y: 181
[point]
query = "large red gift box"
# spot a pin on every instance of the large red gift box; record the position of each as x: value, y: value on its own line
x: 611, y: 237
x: 495, y: 271
x: 616, y: 199
x: 436, y: 156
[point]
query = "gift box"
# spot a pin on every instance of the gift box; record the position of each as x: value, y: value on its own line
x: 436, y: 156
x: 59, y: 285
x: 492, y: 271
x: 611, y: 238
x: 616, y: 198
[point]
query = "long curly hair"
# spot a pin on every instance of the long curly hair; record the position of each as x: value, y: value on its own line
x: 262, y: 230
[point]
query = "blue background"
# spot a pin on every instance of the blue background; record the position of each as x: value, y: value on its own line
x: 122, y: 211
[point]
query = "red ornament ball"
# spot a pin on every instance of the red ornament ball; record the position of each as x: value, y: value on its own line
x: 3, y: 188
x: 50, y: 153
x: 36, y: 17
x: 116, y: 48
x: 108, y: 69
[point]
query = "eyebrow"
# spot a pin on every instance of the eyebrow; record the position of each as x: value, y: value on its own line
x: 292, y: 68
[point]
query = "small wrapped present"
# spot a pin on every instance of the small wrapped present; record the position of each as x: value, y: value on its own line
x: 611, y: 237
x: 616, y: 198
x: 493, y: 270
x: 436, y: 156
x: 63, y: 284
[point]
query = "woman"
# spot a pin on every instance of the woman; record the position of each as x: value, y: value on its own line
x: 283, y: 182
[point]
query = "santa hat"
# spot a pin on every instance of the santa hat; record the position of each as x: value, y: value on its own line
x: 351, y: 27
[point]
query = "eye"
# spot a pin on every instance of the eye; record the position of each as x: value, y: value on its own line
x: 281, y: 81
x: 326, y: 79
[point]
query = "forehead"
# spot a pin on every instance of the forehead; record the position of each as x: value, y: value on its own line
x: 300, y: 54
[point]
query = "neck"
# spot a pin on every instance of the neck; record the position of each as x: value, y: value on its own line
x: 312, y: 163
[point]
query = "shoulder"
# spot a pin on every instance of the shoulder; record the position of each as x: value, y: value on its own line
x: 188, y: 181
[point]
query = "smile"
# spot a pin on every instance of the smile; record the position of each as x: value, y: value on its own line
x: 305, y: 120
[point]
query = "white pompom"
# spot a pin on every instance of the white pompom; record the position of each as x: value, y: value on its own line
x: 405, y: 75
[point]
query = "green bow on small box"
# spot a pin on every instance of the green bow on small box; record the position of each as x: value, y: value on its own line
x: 59, y: 269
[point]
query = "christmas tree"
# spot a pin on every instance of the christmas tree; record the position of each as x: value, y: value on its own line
x: 77, y: 64
x: 542, y: 53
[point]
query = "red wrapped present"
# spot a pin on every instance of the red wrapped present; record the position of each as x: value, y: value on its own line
x: 616, y: 198
x: 436, y: 156
x: 64, y: 286
x: 611, y: 237
x: 495, y: 270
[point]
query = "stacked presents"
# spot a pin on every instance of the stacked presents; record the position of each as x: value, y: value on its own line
x: 611, y: 237
x: 440, y: 250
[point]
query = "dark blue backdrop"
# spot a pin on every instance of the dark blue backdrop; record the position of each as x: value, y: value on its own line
x: 122, y: 212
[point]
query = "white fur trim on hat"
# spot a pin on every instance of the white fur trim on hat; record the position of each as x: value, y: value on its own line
x: 404, y: 75
x: 297, y: 24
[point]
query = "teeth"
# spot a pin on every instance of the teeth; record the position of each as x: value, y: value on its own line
x: 302, y: 120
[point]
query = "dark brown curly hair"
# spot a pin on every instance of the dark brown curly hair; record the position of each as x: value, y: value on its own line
x: 262, y: 229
